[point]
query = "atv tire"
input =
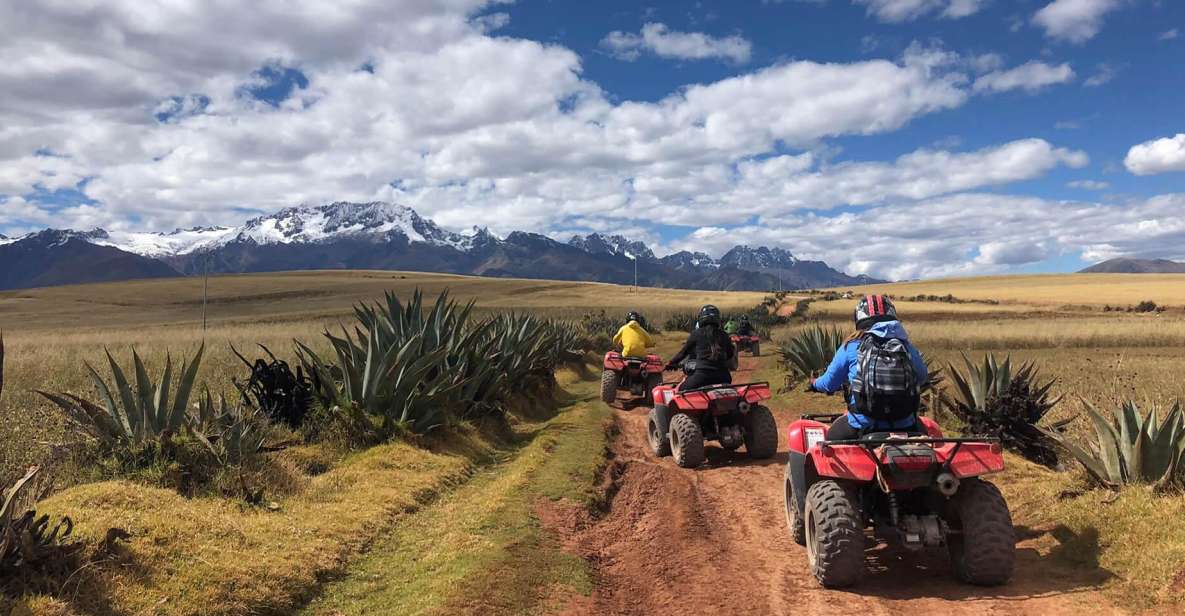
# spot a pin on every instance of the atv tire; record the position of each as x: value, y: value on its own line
x: 756, y: 348
x: 985, y: 552
x: 652, y: 381
x: 793, y: 515
x: 761, y: 433
x: 834, y: 534
x: 660, y: 441
x: 687, y: 441
x: 609, y: 380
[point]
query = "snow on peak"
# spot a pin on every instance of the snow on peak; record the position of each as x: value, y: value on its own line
x: 761, y: 257
x: 597, y: 244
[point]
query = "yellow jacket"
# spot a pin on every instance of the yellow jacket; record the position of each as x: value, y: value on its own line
x: 633, y: 340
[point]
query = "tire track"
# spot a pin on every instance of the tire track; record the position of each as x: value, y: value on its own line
x: 714, y: 538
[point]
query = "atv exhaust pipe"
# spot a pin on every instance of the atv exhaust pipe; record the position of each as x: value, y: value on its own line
x: 948, y: 484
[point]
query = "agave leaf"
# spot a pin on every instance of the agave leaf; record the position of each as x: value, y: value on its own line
x: 11, y: 494
x: 1158, y: 459
x: 1108, y: 444
x: 130, y: 411
x: 113, y: 410
x: 185, y: 387
x: 161, y: 403
x: 1093, y: 465
x: 146, y: 393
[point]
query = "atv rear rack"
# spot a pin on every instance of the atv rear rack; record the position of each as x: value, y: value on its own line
x: 724, y: 386
x: 920, y: 440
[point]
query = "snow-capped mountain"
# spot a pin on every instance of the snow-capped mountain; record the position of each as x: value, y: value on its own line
x: 598, y: 244
x: 388, y: 236
x: 684, y: 260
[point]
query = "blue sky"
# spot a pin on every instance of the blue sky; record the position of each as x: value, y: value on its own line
x: 900, y: 138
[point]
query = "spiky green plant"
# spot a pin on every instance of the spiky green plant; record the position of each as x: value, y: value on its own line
x: 681, y: 322
x: 413, y: 368
x: 808, y: 353
x: 1000, y: 400
x: 1131, y: 448
x: 230, y: 432
x: 130, y: 415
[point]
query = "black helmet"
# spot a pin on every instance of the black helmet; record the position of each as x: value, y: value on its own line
x: 633, y: 315
x: 873, y: 309
x: 708, y: 314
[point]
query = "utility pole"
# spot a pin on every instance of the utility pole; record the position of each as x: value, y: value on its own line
x: 635, y: 275
x: 205, y: 293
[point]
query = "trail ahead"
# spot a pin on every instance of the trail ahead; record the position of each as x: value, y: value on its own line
x: 681, y: 541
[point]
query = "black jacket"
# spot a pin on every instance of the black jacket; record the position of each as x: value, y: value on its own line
x: 699, y: 348
x: 745, y: 328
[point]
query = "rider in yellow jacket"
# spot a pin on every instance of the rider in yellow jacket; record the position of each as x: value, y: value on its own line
x: 632, y: 337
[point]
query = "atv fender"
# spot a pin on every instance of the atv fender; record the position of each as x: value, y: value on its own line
x: 614, y: 361
x: 931, y: 427
x: 842, y: 462
x: 804, y: 433
x: 799, y: 476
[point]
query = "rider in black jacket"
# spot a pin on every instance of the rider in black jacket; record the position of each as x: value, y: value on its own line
x: 710, y: 349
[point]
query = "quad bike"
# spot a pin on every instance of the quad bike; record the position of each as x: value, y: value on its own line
x: 681, y: 421
x: 638, y: 375
x: 918, y: 490
x: 751, y: 344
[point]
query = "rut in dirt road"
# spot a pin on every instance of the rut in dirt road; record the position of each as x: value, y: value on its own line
x: 714, y: 538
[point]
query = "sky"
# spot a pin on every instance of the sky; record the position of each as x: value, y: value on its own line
x: 897, y: 138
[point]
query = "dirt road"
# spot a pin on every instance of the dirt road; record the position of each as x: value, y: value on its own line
x: 714, y: 540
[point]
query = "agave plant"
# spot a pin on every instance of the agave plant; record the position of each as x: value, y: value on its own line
x: 130, y: 416
x: 681, y: 322
x: 1000, y: 400
x: 231, y: 433
x: 29, y: 544
x: 810, y: 351
x: 1132, y: 448
x: 279, y: 393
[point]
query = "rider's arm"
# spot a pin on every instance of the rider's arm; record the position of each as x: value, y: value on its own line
x: 837, y: 373
x: 688, y: 348
x: 919, y: 365
x: 646, y: 337
x: 617, y: 336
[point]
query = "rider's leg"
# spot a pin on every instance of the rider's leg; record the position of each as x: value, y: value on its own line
x: 841, y: 430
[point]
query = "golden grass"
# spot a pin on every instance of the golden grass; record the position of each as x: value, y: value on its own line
x: 1051, y: 289
x: 300, y: 296
x: 482, y: 550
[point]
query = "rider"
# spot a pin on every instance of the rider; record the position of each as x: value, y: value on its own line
x: 633, y: 337
x: 878, y: 337
x: 730, y: 326
x: 710, y: 348
x: 744, y: 327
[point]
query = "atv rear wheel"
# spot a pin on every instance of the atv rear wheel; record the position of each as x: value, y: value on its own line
x: 687, y: 441
x: 793, y: 515
x: 761, y: 433
x: 609, y: 380
x: 984, y: 553
x: 834, y: 534
x: 756, y: 349
x: 660, y: 441
x: 652, y: 381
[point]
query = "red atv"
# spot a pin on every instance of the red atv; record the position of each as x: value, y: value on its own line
x: 681, y: 421
x: 751, y: 344
x: 918, y: 490
x: 638, y: 375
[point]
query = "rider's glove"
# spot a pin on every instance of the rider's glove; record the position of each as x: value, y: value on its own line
x: 669, y: 367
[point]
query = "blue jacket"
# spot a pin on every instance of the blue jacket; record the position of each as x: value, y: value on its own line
x: 843, y: 370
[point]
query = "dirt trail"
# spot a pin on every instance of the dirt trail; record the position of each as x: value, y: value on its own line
x: 678, y: 541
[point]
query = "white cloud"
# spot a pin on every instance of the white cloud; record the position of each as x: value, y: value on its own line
x: 897, y: 11
x: 1089, y: 185
x: 1105, y: 74
x: 1076, y: 21
x: 1030, y: 76
x: 1169, y: 35
x: 1157, y: 156
x: 969, y: 234
x: 666, y: 43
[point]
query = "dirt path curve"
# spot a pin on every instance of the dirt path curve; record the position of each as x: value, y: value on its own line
x: 679, y: 541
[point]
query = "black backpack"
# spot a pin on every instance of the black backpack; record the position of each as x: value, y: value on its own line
x: 886, y: 385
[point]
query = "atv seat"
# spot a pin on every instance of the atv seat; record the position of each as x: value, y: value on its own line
x: 633, y: 358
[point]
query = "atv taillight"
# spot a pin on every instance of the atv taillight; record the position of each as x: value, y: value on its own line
x: 911, y: 464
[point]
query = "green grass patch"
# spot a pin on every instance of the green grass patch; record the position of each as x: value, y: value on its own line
x: 483, y: 549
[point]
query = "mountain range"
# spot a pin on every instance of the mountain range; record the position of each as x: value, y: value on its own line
x: 386, y: 236
x: 1126, y: 265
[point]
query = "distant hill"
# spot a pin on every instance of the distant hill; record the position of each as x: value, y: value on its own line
x: 52, y: 258
x: 388, y: 236
x: 1125, y: 265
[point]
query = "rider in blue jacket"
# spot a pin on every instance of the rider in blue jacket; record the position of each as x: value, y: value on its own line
x: 875, y: 315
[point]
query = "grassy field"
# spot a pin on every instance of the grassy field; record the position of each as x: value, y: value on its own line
x: 329, y: 519
x: 1051, y: 289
